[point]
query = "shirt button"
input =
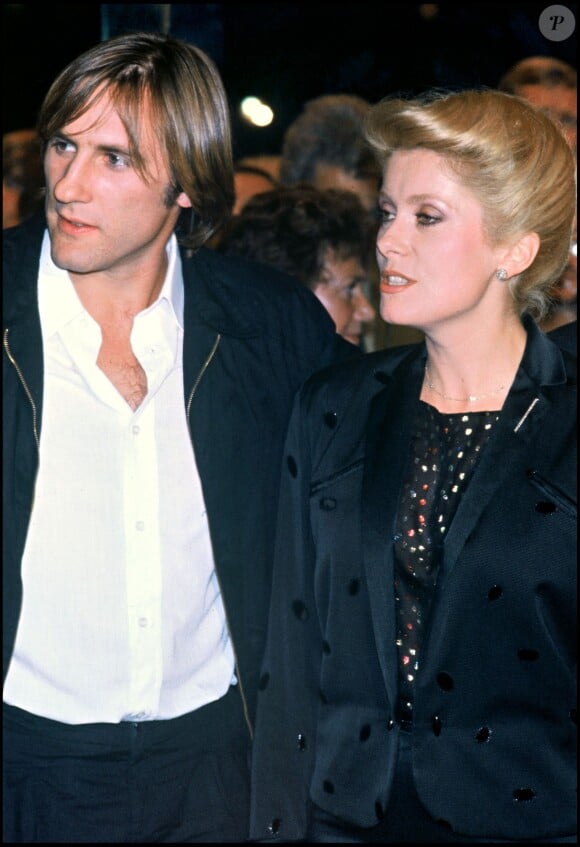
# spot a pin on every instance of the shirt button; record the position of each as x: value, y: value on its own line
x: 136, y: 430
x: 143, y: 622
x: 140, y: 525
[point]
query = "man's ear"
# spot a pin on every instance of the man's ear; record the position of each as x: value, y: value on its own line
x: 183, y: 200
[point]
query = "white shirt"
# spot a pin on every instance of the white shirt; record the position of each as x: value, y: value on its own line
x: 122, y: 617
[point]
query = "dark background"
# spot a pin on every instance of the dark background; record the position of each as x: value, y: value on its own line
x: 286, y: 53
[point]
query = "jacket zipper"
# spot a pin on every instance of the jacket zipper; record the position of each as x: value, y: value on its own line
x: 204, y: 367
x: 26, y: 388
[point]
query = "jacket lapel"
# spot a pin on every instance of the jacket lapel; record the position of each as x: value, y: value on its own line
x: 519, y: 425
x: 387, y: 445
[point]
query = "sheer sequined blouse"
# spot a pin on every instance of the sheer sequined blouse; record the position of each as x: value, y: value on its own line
x: 444, y: 452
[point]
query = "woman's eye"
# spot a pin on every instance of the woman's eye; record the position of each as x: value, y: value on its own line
x: 427, y: 220
x: 385, y: 215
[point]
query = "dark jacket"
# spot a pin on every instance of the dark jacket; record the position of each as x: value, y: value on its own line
x: 493, y: 743
x: 271, y: 333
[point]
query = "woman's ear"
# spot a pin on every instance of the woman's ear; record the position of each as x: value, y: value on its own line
x: 521, y: 254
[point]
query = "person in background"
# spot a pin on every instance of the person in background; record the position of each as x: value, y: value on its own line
x: 419, y: 680
x: 325, y: 147
x: 551, y: 85
x: 321, y: 237
x: 563, y: 304
x: 148, y: 383
x: 22, y: 176
x: 248, y: 181
x: 269, y: 162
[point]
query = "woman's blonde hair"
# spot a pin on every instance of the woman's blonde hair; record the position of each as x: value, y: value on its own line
x: 513, y: 157
x: 183, y: 90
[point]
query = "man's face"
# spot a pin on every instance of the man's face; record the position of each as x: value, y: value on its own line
x: 104, y: 217
x: 557, y: 101
x: 246, y: 186
x: 333, y: 176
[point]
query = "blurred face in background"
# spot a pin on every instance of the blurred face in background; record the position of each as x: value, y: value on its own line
x: 333, y: 176
x: 247, y: 184
x: 341, y: 291
x: 559, y: 102
x: 10, y: 204
x: 22, y: 176
x: 566, y: 289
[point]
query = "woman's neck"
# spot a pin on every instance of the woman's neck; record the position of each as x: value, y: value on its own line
x: 475, y: 373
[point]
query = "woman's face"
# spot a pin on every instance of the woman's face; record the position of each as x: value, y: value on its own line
x: 340, y: 290
x: 437, y: 266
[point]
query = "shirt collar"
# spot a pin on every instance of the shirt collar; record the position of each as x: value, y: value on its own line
x: 59, y: 303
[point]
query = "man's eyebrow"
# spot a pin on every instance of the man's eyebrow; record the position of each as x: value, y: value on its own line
x: 113, y: 148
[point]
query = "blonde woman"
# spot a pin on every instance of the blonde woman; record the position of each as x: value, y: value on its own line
x: 418, y: 683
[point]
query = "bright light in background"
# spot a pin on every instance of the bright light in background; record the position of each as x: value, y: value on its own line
x: 256, y: 112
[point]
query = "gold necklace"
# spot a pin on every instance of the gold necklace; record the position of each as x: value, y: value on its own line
x: 471, y: 398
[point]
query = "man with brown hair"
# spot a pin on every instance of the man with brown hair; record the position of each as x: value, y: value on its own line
x: 147, y: 386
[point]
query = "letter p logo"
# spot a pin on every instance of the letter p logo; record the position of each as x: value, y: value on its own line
x: 557, y: 23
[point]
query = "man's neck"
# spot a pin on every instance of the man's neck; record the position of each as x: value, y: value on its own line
x: 115, y: 299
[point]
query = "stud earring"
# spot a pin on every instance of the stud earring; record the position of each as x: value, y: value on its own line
x: 501, y: 274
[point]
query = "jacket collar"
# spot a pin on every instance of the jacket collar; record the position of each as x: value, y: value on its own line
x: 542, y: 361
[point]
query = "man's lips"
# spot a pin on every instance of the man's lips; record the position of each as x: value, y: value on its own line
x: 72, y: 226
x: 394, y: 281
